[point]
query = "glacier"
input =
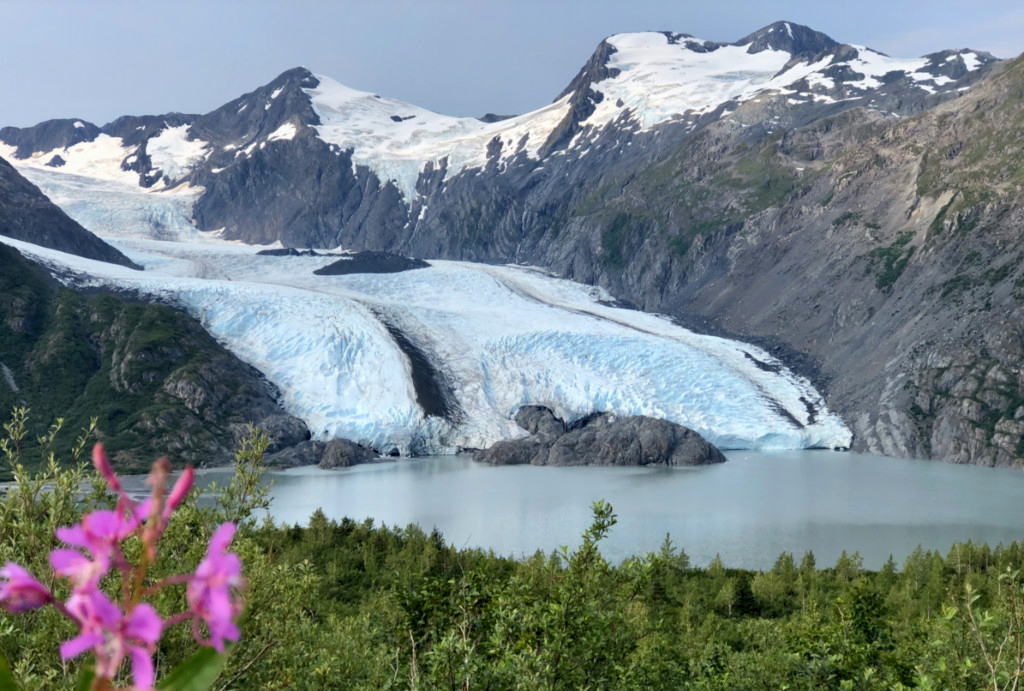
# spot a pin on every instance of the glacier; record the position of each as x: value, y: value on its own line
x: 498, y: 337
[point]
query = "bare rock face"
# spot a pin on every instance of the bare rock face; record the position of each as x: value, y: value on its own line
x: 540, y: 421
x: 532, y: 451
x: 637, y: 440
x: 600, y: 439
x: 284, y: 431
x: 295, y: 456
x: 371, y: 262
x: 336, y: 453
x: 342, y: 453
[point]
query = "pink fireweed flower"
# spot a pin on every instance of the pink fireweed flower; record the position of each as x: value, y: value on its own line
x: 112, y: 636
x: 19, y: 591
x: 99, y: 533
x: 209, y: 591
x: 114, y: 633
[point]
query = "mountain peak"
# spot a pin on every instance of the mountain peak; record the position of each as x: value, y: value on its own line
x: 300, y: 76
x: 796, y: 39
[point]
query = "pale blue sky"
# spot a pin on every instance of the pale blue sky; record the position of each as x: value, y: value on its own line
x: 104, y: 58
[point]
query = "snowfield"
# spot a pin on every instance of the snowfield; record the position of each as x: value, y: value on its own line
x: 396, y: 139
x: 497, y: 338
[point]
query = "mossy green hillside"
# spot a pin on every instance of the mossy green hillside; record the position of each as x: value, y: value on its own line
x: 156, y: 382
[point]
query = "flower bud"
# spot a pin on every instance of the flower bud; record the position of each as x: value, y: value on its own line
x: 180, y: 490
x: 99, y: 459
x: 19, y: 591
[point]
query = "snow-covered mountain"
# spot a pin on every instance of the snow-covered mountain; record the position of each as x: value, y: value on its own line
x: 773, y: 188
x: 634, y: 83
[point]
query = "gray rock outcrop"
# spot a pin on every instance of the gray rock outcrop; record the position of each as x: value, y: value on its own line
x: 540, y: 421
x: 600, y: 440
x: 336, y: 453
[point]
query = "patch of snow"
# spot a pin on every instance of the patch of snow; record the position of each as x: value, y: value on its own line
x: 285, y: 132
x: 79, y: 124
x: 971, y: 61
x: 172, y: 152
x: 9, y: 378
x: 821, y: 80
x: 244, y: 106
x: 276, y: 92
x: 99, y: 159
x: 873, y: 64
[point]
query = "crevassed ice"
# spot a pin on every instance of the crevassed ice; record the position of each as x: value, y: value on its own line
x: 501, y: 336
x: 112, y: 209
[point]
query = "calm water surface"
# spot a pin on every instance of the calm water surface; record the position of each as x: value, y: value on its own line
x: 748, y: 510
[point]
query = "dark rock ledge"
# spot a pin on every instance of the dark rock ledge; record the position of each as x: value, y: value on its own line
x: 600, y: 439
x: 371, y: 262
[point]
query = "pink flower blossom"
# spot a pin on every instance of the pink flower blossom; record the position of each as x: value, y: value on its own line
x: 209, y: 592
x: 19, y: 591
x: 100, y: 533
x: 112, y: 636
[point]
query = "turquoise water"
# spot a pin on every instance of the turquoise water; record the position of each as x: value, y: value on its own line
x: 748, y: 510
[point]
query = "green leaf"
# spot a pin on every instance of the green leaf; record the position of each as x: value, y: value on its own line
x: 6, y: 678
x: 196, y: 673
x: 87, y: 677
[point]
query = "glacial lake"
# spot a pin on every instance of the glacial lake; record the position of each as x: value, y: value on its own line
x: 748, y: 510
